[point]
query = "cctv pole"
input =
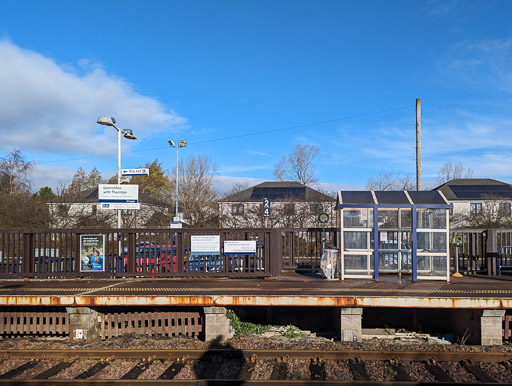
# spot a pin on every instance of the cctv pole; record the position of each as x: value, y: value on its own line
x: 418, y: 144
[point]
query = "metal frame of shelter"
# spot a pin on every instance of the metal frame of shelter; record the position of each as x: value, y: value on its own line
x: 412, y: 229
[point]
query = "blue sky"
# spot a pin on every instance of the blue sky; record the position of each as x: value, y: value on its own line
x: 206, y: 71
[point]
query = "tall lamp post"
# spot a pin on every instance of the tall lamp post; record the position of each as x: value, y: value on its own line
x: 128, y: 134
x: 181, y: 143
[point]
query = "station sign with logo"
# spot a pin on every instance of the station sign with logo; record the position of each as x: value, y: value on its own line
x: 112, y: 196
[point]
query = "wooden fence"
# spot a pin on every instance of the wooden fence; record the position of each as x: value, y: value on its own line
x: 156, y: 252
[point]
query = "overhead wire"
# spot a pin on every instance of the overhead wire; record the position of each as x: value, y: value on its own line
x: 244, y: 135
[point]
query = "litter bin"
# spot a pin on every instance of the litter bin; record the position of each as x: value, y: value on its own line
x: 328, y: 262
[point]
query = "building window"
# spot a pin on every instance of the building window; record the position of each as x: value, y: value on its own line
x: 316, y: 208
x: 94, y: 210
x: 237, y: 210
x: 505, y: 208
x: 475, y: 208
x: 289, y: 209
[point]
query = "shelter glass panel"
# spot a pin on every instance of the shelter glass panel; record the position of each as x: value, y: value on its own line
x: 405, y: 219
x: 432, y: 241
x: 359, y: 264
x: 432, y: 219
x: 358, y: 218
x: 356, y: 240
x: 388, y: 239
x: 388, y: 219
x: 388, y: 261
x: 430, y: 265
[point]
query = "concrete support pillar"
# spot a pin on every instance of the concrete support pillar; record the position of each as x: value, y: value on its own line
x: 351, y: 322
x: 216, y: 324
x: 83, y: 324
x: 491, y: 327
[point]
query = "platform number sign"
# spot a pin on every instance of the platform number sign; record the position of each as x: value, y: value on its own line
x: 266, y: 207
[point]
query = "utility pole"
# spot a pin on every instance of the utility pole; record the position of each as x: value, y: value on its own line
x: 418, y: 144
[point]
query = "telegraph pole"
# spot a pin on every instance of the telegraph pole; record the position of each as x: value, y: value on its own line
x: 418, y: 144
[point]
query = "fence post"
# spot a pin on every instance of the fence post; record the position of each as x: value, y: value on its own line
x: 276, y: 252
x: 131, y: 253
x: 28, y: 254
x: 491, y: 252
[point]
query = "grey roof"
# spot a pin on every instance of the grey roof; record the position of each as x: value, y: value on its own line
x: 475, y: 189
x: 278, y: 191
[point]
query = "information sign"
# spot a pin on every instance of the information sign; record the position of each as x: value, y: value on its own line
x: 240, y: 247
x: 457, y: 241
x: 323, y: 218
x: 135, y: 172
x: 118, y: 193
x: 205, y: 245
x: 266, y: 207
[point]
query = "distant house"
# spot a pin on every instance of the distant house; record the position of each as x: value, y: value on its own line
x: 478, y: 201
x: 292, y: 205
x: 83, y: 210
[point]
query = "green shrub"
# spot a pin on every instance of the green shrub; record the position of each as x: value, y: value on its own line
x: 241, y: 328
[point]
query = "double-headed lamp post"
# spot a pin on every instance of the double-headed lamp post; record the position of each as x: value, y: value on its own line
x: 128, y: 134
x: 181, y: 143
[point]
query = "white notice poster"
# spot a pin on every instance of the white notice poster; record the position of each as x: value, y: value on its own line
x: 205, y: 245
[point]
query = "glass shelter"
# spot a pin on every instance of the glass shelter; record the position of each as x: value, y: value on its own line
x: 398, y: 232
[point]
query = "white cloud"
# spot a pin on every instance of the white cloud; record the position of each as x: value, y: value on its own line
x: 48, y: 107
x: 481, y: 63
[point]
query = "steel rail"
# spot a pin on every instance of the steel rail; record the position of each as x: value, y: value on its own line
x: 440, y: 356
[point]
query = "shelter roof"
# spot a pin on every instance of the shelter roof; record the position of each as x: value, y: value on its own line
x: 390, y: 198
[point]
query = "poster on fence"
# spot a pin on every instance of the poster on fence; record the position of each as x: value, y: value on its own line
x: 92, y: 248
x: 205, y: 245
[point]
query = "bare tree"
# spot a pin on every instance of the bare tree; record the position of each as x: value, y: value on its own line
x: 450, y: 171
x: 390, y: 181
x: 15, y: 172
x: 83, y: 181
x: 298, y: 166
x: 197, y: 194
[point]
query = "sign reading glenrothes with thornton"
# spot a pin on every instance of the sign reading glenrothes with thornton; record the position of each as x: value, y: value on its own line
x: 118, y: 196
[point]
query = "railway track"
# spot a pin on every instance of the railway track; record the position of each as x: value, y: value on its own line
x: 224, y: 366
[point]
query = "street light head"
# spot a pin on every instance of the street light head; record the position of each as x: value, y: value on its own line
x: 171, y: 143
x: 107, y: 121
x: 182, y: 143
x: 129, y: 134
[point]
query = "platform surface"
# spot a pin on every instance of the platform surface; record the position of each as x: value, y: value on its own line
x: 290, y: 289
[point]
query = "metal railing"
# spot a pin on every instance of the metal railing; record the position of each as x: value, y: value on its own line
x: 480, y: 250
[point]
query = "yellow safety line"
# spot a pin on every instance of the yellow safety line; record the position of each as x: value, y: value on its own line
x: 245, y: 289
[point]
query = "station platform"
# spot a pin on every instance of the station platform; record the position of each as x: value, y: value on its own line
x: 289, y: 289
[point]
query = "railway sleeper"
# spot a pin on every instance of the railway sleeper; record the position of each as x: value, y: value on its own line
x: 18, y: 370
x: 53, y: 370
x: 317, y: 370
x: 401, y: 374
x: 439, y: 373
x: 358, y: 371
x: 172, y: 370
x: 137, y: 370
x: 479, y: 374
x: 279, y: 372
x: 245, y: 371
x: 95, y: 369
